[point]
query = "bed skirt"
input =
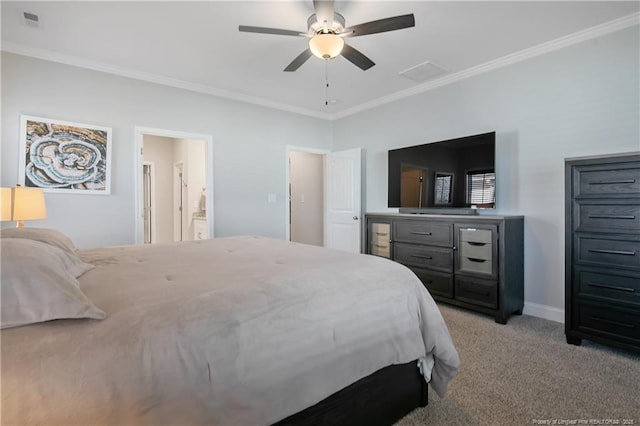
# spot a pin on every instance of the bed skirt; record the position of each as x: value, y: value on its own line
x: 380, y: 399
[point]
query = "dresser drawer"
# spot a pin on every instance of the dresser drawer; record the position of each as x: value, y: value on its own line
x: 477, y: 291
x: 437, y: 283
x: 609, y: 322
x: 380, y: 249
x: 380, y: 232
x: 617, y: 217
x: 426, y: 257
x: 608, y: 253
x: 475, y: 265
x: 610, y: 286
x: 477, y: 236
x: 475, y: 250
x: 625, y: 180
x: 424, y: 233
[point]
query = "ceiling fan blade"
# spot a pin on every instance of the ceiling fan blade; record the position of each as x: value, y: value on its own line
x: 380, y: 26
x: 299, y: 60
x: 324, y: 11
x: 263, y: 30
x: 356, y: 57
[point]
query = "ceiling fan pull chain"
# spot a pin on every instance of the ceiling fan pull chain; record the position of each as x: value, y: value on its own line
x: 326, y: 80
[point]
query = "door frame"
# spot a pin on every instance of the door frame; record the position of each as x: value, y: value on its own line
x: 287, y: 183
x: 152, y: 215
x: 178, y: 201
x: 140, y: 131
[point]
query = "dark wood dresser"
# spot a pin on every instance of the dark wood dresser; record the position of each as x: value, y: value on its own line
x: 602, y: 239
x: 475, y: 262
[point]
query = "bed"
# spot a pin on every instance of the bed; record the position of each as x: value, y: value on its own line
x: 228, y: 331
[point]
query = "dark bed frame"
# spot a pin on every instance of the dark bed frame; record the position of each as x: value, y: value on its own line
x: 381, y: 399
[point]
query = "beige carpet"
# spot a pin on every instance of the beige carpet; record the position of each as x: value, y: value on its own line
x: 524, y: 372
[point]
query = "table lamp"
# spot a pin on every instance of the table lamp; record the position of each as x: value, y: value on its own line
x: 22, y: 204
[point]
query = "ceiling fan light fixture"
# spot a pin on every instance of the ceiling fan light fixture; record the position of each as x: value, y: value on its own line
x: 326, y: 45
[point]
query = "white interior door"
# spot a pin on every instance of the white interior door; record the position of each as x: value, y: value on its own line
x: 343, y: 206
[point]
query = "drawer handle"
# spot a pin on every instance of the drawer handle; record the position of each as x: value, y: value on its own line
x: 474, y: 243
x: 420, y: 233
x: 604, y: 216
x: 382, y: 233
x: 611, y: 182
x: 618, y: 323
x: 611, y: 287
x: 381, y: 247
x: 473, y: 259
x: 620, y: 252
x: 419, y: 256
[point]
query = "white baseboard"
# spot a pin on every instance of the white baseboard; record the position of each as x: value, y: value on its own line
x: 544, y: 311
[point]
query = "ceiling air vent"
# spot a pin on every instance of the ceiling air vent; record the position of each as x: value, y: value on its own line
x: 423, y: 72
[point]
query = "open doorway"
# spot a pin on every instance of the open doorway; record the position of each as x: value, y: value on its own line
x: 306, y: 197
x: 338, y: 216
x: 174, y: 191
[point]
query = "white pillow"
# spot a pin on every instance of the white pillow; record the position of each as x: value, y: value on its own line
x: 39, y: 284
x: 44, y: 235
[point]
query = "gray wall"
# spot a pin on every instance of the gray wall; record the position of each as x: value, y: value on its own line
x: 249, y: 146
x: 580, y: 100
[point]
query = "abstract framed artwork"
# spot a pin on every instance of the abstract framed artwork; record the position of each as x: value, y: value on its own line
x: 63, y: 157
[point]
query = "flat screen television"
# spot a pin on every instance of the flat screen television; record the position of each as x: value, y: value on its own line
x: 451, y: 174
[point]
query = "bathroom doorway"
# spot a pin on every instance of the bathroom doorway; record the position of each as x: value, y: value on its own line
x: 175, y: 186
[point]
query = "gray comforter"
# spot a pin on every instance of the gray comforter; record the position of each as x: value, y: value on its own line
x: 227, y: 331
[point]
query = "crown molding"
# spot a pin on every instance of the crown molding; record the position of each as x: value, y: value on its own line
x: 48, y: 55
x: 550, y: 46
x: 541, y: 49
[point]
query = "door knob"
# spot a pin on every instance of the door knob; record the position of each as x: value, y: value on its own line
x: 356, y: 218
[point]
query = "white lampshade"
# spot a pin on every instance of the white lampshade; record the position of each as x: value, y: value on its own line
x: 326, y: 46
x: 28, y: 204
x: 5, y: 209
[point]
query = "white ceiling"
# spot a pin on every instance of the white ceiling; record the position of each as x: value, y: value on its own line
x: 197, y: 45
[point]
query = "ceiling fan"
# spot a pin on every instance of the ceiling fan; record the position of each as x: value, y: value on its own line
x: 326, y: 32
